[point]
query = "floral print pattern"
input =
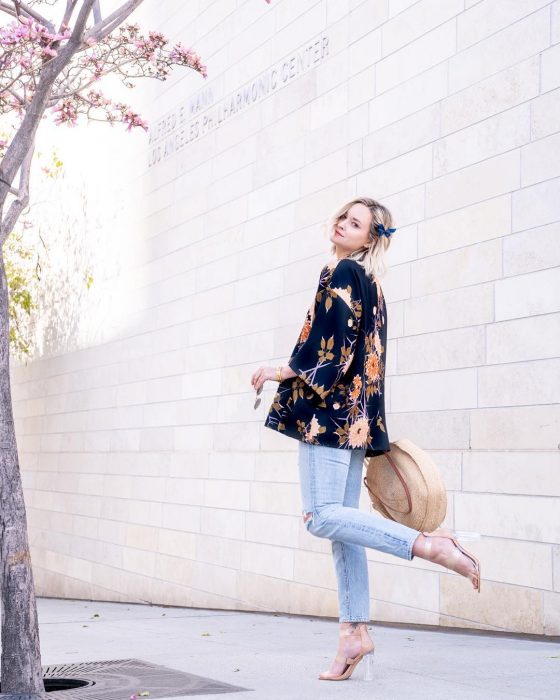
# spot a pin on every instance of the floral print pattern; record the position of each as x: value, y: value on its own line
x: 338, y: 396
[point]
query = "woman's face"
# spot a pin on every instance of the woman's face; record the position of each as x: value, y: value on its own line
x: 351, y: 232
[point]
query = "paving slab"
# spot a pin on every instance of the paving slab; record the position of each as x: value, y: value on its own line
x: 279, y: 656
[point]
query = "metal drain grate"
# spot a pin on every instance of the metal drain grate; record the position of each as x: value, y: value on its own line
x: 119, y: 679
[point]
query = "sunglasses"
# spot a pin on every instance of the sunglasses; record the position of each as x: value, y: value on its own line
x: 258, y: 401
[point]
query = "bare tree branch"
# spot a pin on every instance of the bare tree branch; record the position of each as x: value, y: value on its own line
x: 23, y: 8
x: 8, y: 9
x: 106, y: 26
x: 70, y: 5
x: 19, y: 204
x: 97, y: 12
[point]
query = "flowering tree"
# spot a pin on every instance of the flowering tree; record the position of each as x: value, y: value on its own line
x: 51, y: 67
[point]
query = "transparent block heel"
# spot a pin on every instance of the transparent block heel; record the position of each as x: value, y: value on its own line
x: 367, y: 663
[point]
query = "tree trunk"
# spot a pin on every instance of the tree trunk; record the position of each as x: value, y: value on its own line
x: 20, y: 670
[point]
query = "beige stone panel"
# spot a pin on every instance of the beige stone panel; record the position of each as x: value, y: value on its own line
x: 238, y: 156
x: 396, y: 286
x: 461, y: 347
x: 364, y: 52
x: 457, y: 268
x: 314, y: 569
x: 520, y: 383
x: 361, y: 89
x: 404, y: 247
x: 267, y: 559
x: 262, y: 592
x: 141, y: 537
x: 549, y: 68
x: 216, y: 550
x: 530, y: 338
x: 222, y: 522
x: 277, y: 466
x: 200, y: 384
x: 417, y: 588
x: 509, y: 608
x: 399, y: 173
x: 382, y: 611
x: 189, y: 438
x: 307, y: 600
x: 536, y: 205
x: 224, y: 493
x: 235, y: 437
x: 139, y: 561
x: 490, y: 16
x: 278, y: 162
x: 545, y: 114
x: 416, y: 21
x: 177, y: 543
x: 454, y: 308
x: 490, y: 178
x: 434, y: 391
x: 322, y: 172
x: 532, y: 250
x: 516, y: 517
x: 551, y: 613
x: 181, y: 517
x: 556, y: 566
x: 534, y: 473
x: 428, y: 50
x: 173, y: 569
x: 366, y: 17
x: 431, y: 430
x: 236, y: 466
x: 188, y: 491
x: 267, y: 528
x: 494, y: 94
x: 539, y: 160
x: 395, y: 319
x: 276, y: 498
x: 409, y: 97
x: 507, y: 47
x: 409, y: 204
x: 490, y: 137
x: 194, y: 466
x: 109, y: 554
x: 404, y: 135
x: 272, y: 440
x: 518, y: 428
x: 513, y: 561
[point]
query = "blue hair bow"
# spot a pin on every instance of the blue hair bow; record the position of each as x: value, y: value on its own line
x: 384, y: 231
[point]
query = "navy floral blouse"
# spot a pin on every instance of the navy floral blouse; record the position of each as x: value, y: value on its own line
x: 338, y: 396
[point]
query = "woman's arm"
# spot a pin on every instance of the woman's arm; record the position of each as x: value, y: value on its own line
x: 273, y: 373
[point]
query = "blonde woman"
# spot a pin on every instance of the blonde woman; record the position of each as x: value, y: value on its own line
x: 331, y: 398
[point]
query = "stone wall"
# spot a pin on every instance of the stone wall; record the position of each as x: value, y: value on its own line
x: 149, y: 476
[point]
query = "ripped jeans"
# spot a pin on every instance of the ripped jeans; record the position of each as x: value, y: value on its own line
x: 330, y: 481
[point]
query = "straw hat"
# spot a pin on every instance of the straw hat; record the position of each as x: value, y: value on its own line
x: 405, y: 485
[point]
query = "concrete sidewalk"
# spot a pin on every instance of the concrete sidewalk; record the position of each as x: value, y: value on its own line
x: 279, y: 656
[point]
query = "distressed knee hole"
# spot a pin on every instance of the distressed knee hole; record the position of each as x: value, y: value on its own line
x: 307, y: 517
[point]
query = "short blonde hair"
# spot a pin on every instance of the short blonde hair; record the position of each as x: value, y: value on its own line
x: 371, y: 256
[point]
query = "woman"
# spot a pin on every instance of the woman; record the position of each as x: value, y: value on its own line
x: 331, y: 398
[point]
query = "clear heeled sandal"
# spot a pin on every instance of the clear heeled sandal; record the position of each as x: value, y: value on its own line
x: 365, y: 653
x: 451, y: 560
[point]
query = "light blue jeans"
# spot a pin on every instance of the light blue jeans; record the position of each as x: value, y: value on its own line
x: 331, y: 481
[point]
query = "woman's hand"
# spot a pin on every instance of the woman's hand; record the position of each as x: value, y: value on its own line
x: 261, y: 375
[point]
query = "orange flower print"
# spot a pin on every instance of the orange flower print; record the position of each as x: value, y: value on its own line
x: 356, y: 387
x: 305, y: 330
x: 372, y: 367
x: 358, y: 433
x: 313, y: 429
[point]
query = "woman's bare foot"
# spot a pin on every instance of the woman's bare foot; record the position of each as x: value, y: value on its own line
x: 353, y: 639
x: 443, y: 551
